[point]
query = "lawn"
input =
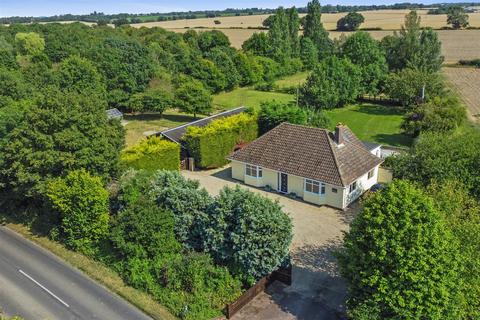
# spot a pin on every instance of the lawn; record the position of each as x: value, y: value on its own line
x: 247, y: 97
x: 139, y: 124
x: 373, y: 123
x: 293, y: 80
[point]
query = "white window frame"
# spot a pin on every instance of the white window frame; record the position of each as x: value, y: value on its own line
x: 353, y: 184
x: 372, y: 172
x: 321, y: 187
x: 256, y: 169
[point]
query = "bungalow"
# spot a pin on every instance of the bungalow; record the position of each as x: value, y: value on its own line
x: 322, y: 167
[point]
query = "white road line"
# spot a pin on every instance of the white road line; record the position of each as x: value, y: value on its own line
x: 40, y: 285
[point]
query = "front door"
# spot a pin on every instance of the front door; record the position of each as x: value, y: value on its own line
x: 283, y: 183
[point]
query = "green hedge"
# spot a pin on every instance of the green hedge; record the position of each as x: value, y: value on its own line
x: 152, y: 154
x: 210, y: 145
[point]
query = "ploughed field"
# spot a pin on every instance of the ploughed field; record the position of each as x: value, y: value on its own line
x: 467, y: 82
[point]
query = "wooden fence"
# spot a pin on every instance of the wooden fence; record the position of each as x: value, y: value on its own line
x: 283, y: 275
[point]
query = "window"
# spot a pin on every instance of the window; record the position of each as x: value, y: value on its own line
x: 353, y: 186
x: 334, y: 190
x: 313, y: 186
x: 253, y: 171
x: 371, y: 173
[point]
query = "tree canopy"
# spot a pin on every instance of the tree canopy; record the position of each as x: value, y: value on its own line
x: 350, y: 22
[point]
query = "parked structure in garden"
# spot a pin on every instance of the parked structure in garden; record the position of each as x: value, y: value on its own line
x: 319, y: 166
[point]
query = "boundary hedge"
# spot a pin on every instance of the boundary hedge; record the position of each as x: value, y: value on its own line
x: 152, y: 154
x: 210, y: 145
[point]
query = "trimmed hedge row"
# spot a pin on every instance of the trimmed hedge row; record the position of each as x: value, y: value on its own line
x: 210, y: 145
x: 152, y: 154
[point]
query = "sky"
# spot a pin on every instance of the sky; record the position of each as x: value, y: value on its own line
x: 52, y: 7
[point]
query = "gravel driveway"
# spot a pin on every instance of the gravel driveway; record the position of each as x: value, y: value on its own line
x: 317, y: 292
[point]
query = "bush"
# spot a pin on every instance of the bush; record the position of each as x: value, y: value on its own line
x: 150, y: 101
x: 474, y: 63
x: 81, y: 202
x: 152, y: 154
x: 399, y: 259
x: 249, y: 233
x: 210, y: 145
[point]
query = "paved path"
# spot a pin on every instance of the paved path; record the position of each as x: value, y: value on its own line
x: 37, y: 285
x: 318, y: 291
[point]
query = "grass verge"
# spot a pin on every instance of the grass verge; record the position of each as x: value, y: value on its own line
x: 247, y: 97
x: 99, y: 273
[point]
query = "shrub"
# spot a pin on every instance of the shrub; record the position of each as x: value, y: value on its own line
x: 210, y: 145
x: 153, y: 101
x: 399, y: 259
x: 473, y: 62
x: 81, y: 202
x: 152, y: 154
x: 249, y: 233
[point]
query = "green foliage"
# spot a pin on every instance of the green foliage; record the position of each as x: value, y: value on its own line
x: 274, y: 113
x: 188, y: 203
x: 209, y: 40
x: 437, y: 115
x: 252, y: 251
x: 351, y: 22
x: 365, y: 52
x: 143, y: 230
x: 29, y: 43
x: 81, y: 202
x: 308, y: 53
x: 210, y: 145
x: 399, y: 259
x: 152, y: 154
x: 57, y: 133
x: 157, y: 100
x: 80, y: 75
x: 443, y: 157
x: 333, y: 83
x: 414, y: 47
x: 225, y: 64
x: 462, y: 215
x: 257, y: 44
x: 192, y: 97
x: 457, y: 17
x: 314, y: 30
x: 406, y: 86
x: 12, y: 86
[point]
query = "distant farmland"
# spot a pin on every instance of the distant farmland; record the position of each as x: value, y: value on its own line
x: 467, y: 82
x: 456, y: 44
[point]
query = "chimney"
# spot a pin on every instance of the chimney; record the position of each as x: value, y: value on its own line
x: 339, y: 131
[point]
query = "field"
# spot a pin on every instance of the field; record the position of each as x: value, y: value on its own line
x: 467, y: 82
x: 456, y: 44
x: 373, y: 123
x: 247, y: 97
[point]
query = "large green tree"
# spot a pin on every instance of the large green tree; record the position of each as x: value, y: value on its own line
x: 365, y: 52
x: 192, y: 97
x: 30, y: 43
x: 313, y: 29
x: 457, y: 17
x: 56, y: 133
x: 350, y: 22
x: 333, y: 83
x: 81, y: 202
x: 399, y: 259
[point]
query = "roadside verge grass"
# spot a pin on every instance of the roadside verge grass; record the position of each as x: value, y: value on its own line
x: 98, y: 272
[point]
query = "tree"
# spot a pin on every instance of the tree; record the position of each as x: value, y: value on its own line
x: 333, y: 83
x: 80, y: 75
x: 29, y: 43
x: 81, y: 202
x: 145, y: 231
x: 457, y: 17
x: 251, y: 252
x: 192, y: 97
x: 313, y: 29
x: 156, y: 100
x: 279, y: 36
x: 408, y: 85
x: 58, y: 132
x: 273, y: 113
x: 7, y: 56
x: 308, y: 53
x: 248, y: 68
x: 293, y: 28
x: 442, y: 157
x: 365, y: 52
x: 223, y: 60
x: 399, y: 259
x: 209, y: 40
x: 351, y: 22
x: 258, y: 44
x: 437, y: 115
x: 413, y: 47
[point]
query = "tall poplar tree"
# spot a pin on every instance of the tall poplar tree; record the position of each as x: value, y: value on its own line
x: 314, y: 29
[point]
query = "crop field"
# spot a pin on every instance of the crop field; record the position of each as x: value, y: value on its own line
x: 467, y: 82
x: 385, y: 19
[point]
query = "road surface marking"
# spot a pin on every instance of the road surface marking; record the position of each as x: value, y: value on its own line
x: 40, y: 285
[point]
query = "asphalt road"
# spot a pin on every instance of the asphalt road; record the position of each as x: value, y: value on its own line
x: 37, y: 285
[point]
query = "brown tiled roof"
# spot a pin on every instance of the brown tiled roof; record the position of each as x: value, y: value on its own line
x: 310, y: 153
